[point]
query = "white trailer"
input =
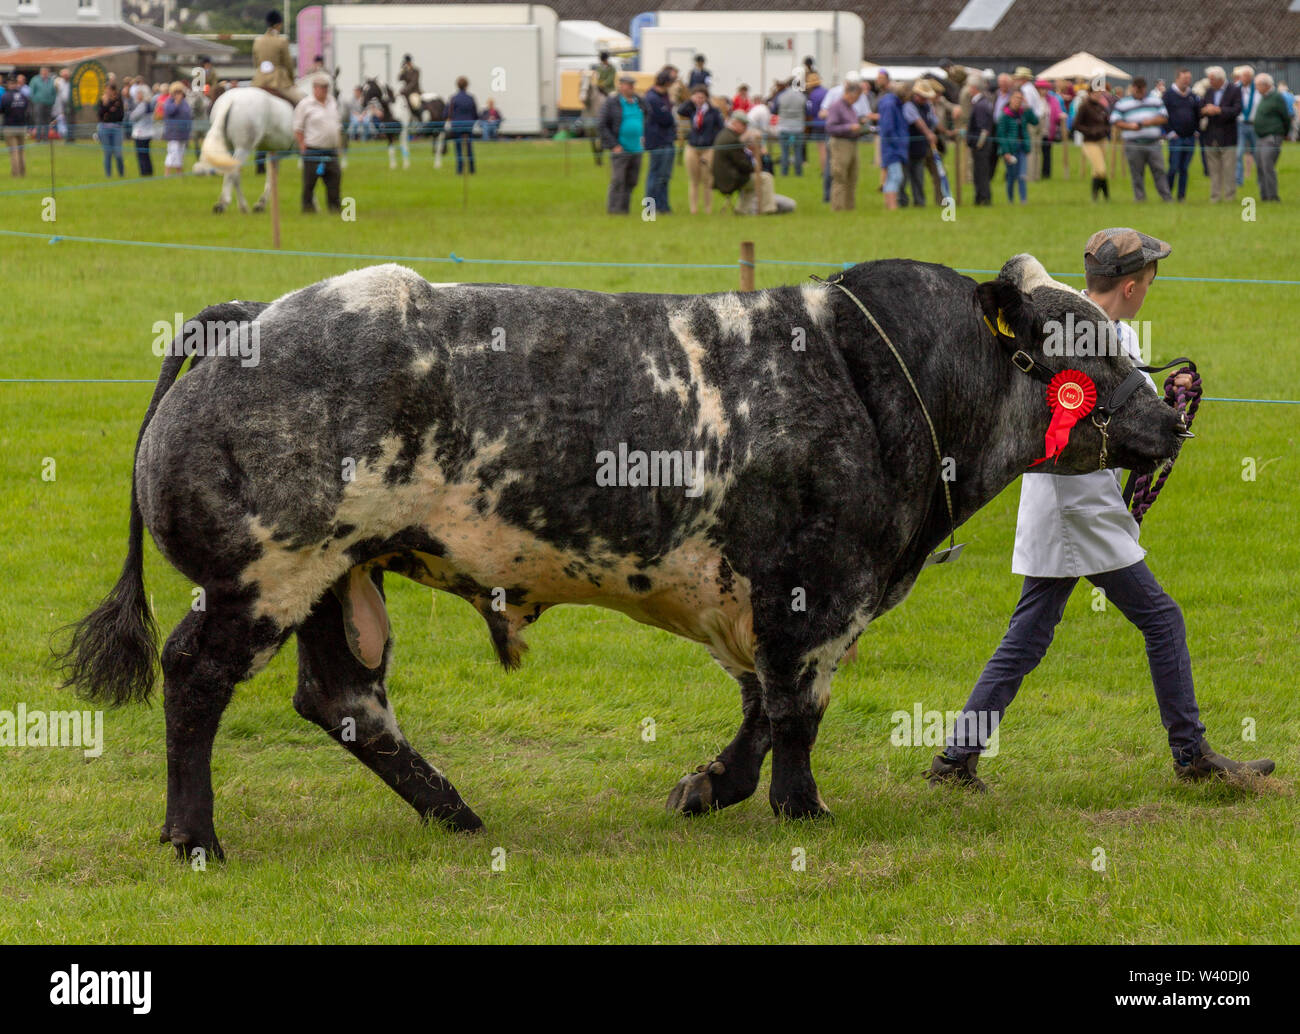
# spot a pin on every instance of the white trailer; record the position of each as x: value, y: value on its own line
x: 753, y: 47
x: 507, y: 51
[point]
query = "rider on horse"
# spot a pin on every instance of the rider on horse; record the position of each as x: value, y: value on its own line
x: 272, y: 63
x: 409, y: 76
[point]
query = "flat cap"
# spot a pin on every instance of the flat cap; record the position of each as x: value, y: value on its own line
x: 1121, y: 250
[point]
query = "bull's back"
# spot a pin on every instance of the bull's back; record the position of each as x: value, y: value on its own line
x: 377, y: 397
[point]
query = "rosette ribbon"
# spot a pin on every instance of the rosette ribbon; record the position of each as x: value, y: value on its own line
x: 1070, y: 396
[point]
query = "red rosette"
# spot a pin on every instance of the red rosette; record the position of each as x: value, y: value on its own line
x: 1073, y: 391
x: 1071, y: 396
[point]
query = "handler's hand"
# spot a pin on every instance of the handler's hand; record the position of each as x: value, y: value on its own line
x: 1183, y: 380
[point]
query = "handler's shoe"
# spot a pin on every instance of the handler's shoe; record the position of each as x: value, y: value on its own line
x: 961, y: 773
x: 1207, y: 764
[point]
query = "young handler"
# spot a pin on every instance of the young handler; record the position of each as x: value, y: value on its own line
x: 1079, y: 527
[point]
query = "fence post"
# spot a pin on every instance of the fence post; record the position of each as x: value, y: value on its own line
x: 746, y: 265
x: 959, y: 145
x: 273, y: 181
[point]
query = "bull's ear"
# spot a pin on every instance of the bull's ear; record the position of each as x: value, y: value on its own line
x: 1006, y: 309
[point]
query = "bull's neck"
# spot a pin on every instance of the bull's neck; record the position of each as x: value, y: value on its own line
x: 992, y: 434
x: 987, y: 414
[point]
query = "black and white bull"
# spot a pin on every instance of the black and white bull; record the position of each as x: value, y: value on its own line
x: 462, y: 435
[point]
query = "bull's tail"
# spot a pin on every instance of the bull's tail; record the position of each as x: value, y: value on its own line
x: 112, y: 653
x: 215, y: 151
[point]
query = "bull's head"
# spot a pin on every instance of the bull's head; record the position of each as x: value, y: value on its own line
x: 1034, y: 316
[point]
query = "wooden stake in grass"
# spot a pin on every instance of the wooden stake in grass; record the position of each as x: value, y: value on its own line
x: 746, y: 265
x: 273, y: 181
x: 958, y: 173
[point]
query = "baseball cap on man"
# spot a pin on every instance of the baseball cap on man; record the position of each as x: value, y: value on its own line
x: 1121, y: 250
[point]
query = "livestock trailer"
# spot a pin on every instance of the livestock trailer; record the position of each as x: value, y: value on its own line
x: 507, y: 51
x: 753, y: 47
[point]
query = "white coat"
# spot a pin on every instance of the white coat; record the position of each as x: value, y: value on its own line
x: 1075, y: 526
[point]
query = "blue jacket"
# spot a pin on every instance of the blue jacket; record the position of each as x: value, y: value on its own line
x: 892, y: 129
x: 816, y: 97
x: 661, y: 125
x: 462, y: 113
x: 708, y: 132
x: 1184, y: 112
x: 176, y: 119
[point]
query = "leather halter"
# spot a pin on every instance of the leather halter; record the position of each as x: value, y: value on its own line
x: 1026, y: 363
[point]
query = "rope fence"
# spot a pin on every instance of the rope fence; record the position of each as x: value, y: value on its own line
x: 455, y: 259
x: 746, y: 266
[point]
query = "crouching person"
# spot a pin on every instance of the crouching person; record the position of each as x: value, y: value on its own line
x: 738, y: 169
x: 316, y: 127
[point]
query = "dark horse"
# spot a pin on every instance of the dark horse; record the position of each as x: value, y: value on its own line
x: 395, y: 116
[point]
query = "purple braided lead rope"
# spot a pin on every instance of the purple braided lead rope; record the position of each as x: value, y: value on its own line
x: 1186, y: 401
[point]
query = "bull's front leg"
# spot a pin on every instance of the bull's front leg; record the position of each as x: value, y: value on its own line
x: 796, y: 691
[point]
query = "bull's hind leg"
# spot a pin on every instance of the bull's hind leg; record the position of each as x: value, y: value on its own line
x: 349, y: 701
x: 733, y: 775
x: 206, y: 655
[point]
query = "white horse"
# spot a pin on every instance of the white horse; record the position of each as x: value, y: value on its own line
x: 244, y: 120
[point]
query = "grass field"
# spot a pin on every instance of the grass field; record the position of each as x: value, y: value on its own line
x: 552, y: 757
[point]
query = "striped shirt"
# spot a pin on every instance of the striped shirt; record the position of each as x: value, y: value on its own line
x: 1137, y: 109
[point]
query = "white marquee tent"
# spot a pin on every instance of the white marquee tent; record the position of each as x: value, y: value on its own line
x: 1082, y: 66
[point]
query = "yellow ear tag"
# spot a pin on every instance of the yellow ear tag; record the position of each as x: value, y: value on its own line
x: 992, y: 329
x: 1004, y: 327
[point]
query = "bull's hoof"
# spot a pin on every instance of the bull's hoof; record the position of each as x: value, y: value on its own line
x: 260, y: 207
x: 185, y: 844
x: 799, y: 806
x: 458, y: 820
x: 218, y: 208
x: 694, y: 792
x: 243, y: 208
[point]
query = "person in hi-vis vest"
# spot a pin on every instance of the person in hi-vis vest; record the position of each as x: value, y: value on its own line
x: 1080, y: 527
x: 272, y: 65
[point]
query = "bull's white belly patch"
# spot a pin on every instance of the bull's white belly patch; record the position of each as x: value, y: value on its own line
x: 501, y: 568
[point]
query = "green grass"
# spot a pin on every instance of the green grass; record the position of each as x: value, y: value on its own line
x: 552, y: 756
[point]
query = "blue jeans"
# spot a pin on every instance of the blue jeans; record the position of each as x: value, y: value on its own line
x: 464, y: 141
x: 1181, y: 149
x: 1245, y: 142
x: 1015, y: 174
x: 1137, y: 594
x: 657, y: 176
x: 791, y: 146
x: 110, y: 140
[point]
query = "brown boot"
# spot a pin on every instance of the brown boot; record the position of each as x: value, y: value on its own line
x: 1210, y: 765
x: 959, y: 773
